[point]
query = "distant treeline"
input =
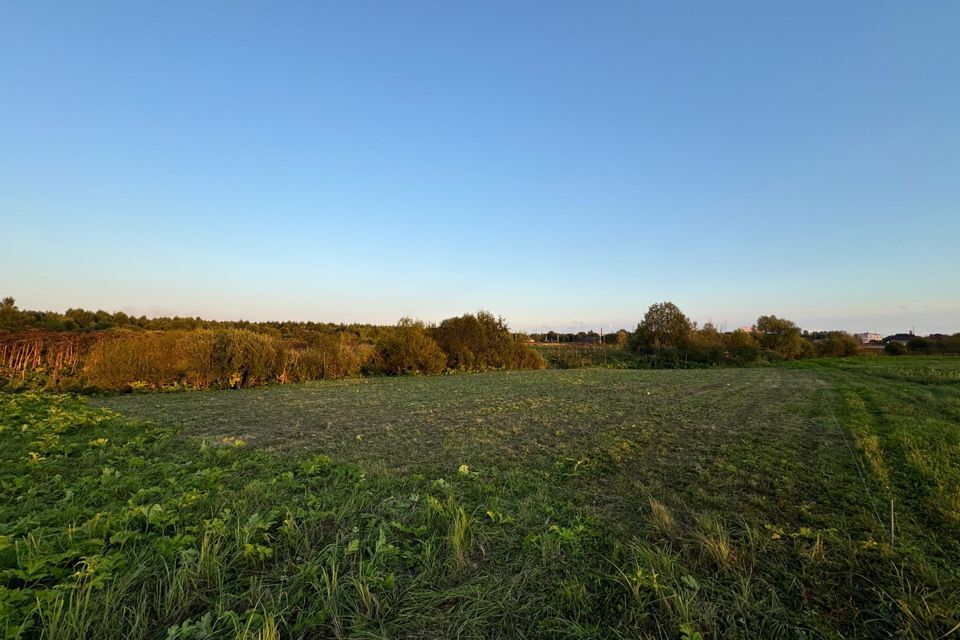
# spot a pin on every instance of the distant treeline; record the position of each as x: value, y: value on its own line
x: 98, y: 350
x: 938, y: 344
x: 588, y: 337
x: 83, y: 320
x: 226, y: 355
x: 666, y: 338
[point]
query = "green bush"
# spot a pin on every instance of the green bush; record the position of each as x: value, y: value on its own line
x: 935, y: 344
x: 895, y: 348
x: 329, y: 357
x: 483, y: 341
x: 526, y: 357
x: 408, y: 349
x: 255, y: 358
x: 742, y: 347
x: 569, y: 358
x: 783, y: 337
x: 131, y: 359
x: 230, y: 358
x: 200, y: 359
x: 664, y: 327
x: 226, y: 358
x: 838, y: 343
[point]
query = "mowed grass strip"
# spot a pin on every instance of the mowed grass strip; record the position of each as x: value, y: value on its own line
x: 590, y: 503
x: 491, y: 417
x: 903, y: 415
x: 701, y: 435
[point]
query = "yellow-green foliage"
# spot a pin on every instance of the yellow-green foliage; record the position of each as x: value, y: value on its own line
x: 227, y: 357
x: 203, y: 359
x: 136, y: 358
x: 483, y: 341
x: 408, y: 349
x: 528, y: 358
x: 838, y: 343
x: 329, y: 357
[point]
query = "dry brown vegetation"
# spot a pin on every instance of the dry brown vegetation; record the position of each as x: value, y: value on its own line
x: 222, y: 358
x: 55, y: 354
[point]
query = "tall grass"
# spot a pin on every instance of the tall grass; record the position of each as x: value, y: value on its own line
x: 116, y: 529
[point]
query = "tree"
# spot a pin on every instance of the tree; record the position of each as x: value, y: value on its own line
x: 664, y: 327
x: 10, y: 316
x: 781, y: 336
x: 483, y: 341
x: 838, y: 343
x: 707, y: 345
x: 475, y: 341
x: 742, y: 346
x: 622, y: 338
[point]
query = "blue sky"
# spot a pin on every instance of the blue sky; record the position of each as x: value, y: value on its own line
x: 564, y: 165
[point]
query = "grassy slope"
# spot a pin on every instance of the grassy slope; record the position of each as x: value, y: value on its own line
x: 596, y: 503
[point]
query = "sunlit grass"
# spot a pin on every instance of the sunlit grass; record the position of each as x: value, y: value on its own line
x: 544, y: 504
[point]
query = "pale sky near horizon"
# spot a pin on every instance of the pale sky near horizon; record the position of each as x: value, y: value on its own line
x: 561, y: 164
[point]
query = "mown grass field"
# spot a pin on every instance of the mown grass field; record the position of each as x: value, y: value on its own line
x: 587, y: 503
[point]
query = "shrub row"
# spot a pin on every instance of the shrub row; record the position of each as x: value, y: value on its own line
x: 468, y: 343
x: 483, y: 341
x: 232, y: 358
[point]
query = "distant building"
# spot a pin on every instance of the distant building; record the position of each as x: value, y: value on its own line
x: 868, y: 337
x: 749, y: 329
x: 902, y: 338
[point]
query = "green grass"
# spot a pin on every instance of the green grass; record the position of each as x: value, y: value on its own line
x: 579, y: 503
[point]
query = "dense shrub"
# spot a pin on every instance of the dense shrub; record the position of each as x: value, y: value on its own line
x: 838, y: 343
x: 408, y: 349
x: 253, y: 358
x: 706, y: 345
x: 741, y: 347
x: 230, y: 358
x: 807, y: 350
x: 667, y: 339
x: 666, y: 357
x: 307, y: 364
x: 527, y: 357
x: 227, y: 358
x: 935, y: 344
x: 483, y: 341
x: 570, y: 358
x: 895, y: 348
x: 328, y: 357
x: 131, y: 359
x: 567, y: 356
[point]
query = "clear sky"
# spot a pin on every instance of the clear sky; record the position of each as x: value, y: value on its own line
x: 564, y: 165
